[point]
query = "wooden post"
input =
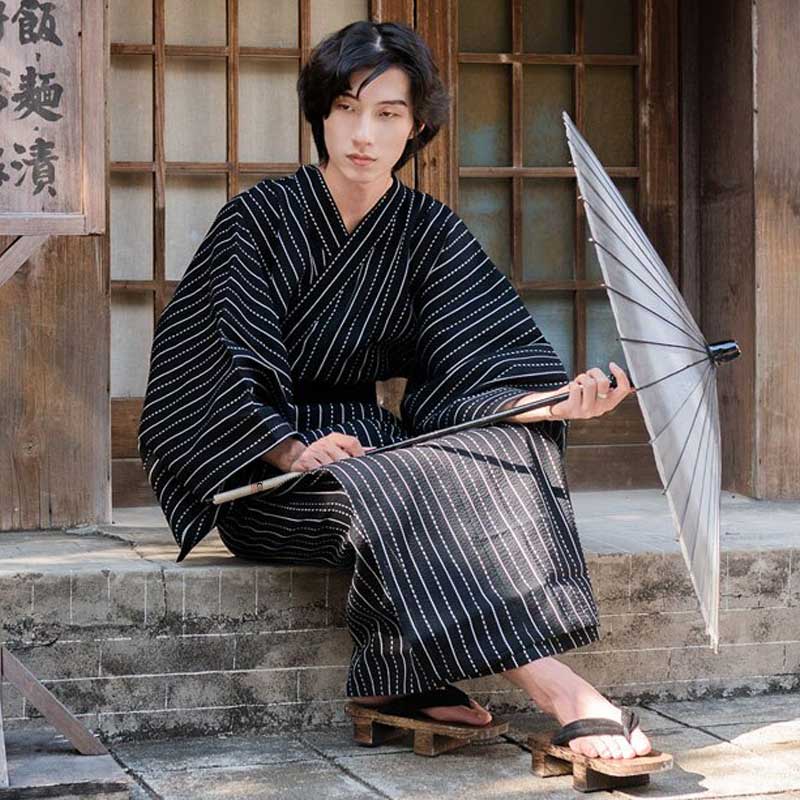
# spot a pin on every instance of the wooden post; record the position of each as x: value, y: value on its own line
x: 54, y: 405
x: 54, y: 303
x: 749, y: 164
x: 777, y: 245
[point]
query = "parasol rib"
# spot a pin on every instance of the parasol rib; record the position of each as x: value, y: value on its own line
x: 633, y: 230
x: 703, y: 449
x: 639, y: 260
x: 670, y: 374
x: 686, y: 441
x: 703, y: 377
x: 708, y: 469
x: 661, y: 344
x: 676, y: 310
x: 652, y: 311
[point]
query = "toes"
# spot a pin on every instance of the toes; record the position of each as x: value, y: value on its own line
x: 613, y: 744
x: 616, y: 747
x: 625, y: 747
x: 587, y: 746
x: 481, y: 715
x: 640, y: 743
x: 475, y: 715
x: 604, y: 748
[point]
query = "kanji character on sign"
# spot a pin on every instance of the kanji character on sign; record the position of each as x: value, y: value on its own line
x: 38, y: 98
x: 4, y: 176
x: 34, y: 29
x: 3, y: 20
x: 44, y: 172
x: 3, y: 99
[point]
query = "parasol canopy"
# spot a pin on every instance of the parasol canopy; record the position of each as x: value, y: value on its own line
x: 672, y: 367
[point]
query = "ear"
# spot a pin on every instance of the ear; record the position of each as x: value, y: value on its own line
x: 418, y: 132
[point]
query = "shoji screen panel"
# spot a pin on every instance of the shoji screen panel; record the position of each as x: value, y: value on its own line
x: 519, y: 65
x: 203, y: 105
x: 512, y: 66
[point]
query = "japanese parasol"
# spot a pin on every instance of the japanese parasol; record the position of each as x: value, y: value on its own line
x: 672, y: 367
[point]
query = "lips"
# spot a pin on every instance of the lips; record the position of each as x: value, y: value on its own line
x: 361, y: 161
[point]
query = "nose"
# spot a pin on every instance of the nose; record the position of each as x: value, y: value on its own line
x: 362, y: 132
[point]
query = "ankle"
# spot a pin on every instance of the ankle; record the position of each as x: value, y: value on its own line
x: 552, y: 679
x: 556, y: 689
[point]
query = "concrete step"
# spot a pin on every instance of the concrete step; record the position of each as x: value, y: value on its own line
x: 139, y: 646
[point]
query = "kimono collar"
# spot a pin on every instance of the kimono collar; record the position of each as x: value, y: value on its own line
x: 324, y: 201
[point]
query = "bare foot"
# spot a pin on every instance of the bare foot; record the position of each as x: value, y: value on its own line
x: 557, y: 690
x: 475, y: 715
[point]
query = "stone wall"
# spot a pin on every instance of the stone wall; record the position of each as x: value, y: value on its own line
x: 145, y: 648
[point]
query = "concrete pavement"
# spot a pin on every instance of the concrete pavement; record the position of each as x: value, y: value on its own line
x: 723, y: 748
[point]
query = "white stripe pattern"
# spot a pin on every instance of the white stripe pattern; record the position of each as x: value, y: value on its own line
x: 465, y: 556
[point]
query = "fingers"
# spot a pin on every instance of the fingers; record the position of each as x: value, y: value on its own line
x: 330, y: 448
x: 350, y: 444
x: 590, y: 394
x: 588, y: 383
x: 602, y: 382
x: 623, y: 384
x: 569, y: 408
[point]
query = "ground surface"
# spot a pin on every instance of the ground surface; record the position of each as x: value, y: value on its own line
x: 731, y: 748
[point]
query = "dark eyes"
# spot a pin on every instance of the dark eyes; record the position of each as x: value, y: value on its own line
x: 384, y: 114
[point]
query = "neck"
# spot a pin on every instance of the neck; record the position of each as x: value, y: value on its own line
x: 353, y: 199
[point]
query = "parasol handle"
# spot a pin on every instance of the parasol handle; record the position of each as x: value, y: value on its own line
x: 498, y: 416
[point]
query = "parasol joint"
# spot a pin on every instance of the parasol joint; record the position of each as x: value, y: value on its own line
x: 720, y: 352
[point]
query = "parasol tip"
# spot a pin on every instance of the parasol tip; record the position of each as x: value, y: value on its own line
x: 723, y: 351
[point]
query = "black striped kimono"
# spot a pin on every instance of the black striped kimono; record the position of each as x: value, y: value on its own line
x: 465, y: 555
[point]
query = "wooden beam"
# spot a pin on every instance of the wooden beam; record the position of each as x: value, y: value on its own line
x: 54, y: 435
x: 14, y: 256
x: 95, y: 69
x: 726, y: 222
x: 777, y: 244
x: 57, y: 714
x: 437, y: 164
x: 548, y: 59
x: 658, y: 143
x: 689, y: 38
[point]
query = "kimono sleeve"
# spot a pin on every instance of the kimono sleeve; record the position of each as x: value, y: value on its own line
x: 477, y: 345
x: 216, y: 393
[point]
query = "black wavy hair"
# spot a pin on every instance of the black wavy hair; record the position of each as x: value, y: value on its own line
x: 376, y: 46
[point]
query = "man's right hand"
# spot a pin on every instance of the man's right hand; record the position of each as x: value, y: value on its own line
x: 330, y: 448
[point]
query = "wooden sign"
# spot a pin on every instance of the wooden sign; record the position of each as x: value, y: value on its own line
x: 52, y: 117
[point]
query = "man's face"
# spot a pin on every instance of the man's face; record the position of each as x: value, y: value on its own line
x: 365, y: 137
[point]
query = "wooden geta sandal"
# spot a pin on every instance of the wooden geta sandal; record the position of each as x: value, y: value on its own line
x: 375, y: 725
x: 551, y: 756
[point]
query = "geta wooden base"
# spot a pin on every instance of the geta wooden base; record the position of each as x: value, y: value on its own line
x: 593, y: 774
x: 372, y: 728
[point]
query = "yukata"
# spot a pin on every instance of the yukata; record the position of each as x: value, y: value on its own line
x: 465, y: 555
